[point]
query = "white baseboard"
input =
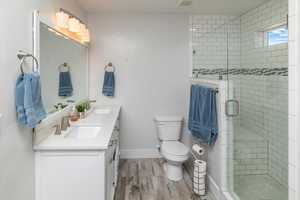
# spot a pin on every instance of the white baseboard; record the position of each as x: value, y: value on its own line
x: 139, y: 153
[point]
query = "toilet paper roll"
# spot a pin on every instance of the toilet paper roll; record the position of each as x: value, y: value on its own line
x: 200, y: 192
x: 198, y: 187
x: 200, y: 180
x: 199, y: 166
x: 199, y: 174
x: 198, y: 149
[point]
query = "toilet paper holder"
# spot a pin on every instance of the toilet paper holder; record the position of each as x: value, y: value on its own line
x: 197, y: 150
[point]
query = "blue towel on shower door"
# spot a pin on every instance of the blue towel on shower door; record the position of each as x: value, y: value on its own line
x: 109, y: 84
x: 29, y: 106
x: 203, y: 120
x: 65, y: 84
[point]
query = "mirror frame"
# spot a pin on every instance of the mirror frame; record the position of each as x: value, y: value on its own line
x: 36, y: 52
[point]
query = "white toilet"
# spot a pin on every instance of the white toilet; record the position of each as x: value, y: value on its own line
x: 174, y: 152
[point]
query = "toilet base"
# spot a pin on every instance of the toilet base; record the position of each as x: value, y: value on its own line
x: 173, y: 172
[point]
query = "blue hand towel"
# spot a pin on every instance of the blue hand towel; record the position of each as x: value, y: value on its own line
x: 203, y: 120
x: 20, y: 90
x: 109, y: 84
x: 30, y: 109
x: 65, y: 84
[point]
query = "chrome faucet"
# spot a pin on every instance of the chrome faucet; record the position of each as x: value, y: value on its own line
x: 88, y: 104
x: 57, y: 129
x: 65, y: 124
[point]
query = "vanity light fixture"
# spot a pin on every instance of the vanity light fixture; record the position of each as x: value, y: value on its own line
x: 72, y: 26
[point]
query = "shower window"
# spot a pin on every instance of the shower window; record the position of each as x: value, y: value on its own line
x: 277, y: 36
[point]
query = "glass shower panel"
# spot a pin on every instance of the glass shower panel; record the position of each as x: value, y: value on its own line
x: 209, y: 44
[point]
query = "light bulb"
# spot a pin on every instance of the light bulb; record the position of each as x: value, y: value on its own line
x: 74, y: 25
x: 82, y: 30
x: 86, y: 36
x: 62, y: 19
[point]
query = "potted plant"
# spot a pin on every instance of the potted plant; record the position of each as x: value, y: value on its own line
x: 81, y: 108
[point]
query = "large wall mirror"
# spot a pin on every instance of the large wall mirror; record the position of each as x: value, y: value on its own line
x: 63, y: 68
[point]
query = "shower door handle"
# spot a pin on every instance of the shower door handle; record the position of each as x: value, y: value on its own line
x: 232, y: 112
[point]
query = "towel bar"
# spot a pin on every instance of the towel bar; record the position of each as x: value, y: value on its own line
x: 60, y: 67
x: 109, y: 65
x: 22, y: 55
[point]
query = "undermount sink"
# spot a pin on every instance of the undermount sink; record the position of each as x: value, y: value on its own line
x: 84, y: 132
x: 102, y: 111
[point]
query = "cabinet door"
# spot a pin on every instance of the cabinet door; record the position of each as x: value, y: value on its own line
x: 70, y: 176
x: 109, y: 172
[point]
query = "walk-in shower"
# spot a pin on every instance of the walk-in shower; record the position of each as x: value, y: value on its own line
x: 250, y: 52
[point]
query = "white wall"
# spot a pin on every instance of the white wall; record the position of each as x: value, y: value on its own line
x: 16, y: 155
x: 150, y: 52
x: 294, y: 99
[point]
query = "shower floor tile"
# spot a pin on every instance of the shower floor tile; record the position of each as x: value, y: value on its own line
x: 259, y: 187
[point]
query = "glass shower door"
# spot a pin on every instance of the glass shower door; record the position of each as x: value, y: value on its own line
x: 257, y: 112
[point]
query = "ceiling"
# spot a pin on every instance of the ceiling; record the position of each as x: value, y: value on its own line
x: 232, y: 7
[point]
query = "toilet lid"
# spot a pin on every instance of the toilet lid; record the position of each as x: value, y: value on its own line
x: 175, y: 148
x: 168, y: 118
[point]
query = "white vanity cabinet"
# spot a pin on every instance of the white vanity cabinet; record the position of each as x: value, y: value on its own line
x: 112, y: 162
x: 77, y: 173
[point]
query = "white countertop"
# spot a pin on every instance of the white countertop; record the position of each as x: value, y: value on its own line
x: 106, y: 121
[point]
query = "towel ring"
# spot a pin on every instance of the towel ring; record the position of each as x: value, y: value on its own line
x: 22, y: 56
x: 109, y: 65
x: 63, y: 65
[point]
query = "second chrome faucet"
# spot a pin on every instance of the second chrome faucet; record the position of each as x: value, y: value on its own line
x: 62, y: 126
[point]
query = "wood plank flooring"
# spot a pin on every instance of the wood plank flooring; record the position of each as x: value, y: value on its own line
x: 144, y: 179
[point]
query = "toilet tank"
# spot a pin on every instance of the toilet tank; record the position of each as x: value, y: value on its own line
x: 168, y: 127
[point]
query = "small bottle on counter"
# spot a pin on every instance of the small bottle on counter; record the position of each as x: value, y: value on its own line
x: 74, y: 115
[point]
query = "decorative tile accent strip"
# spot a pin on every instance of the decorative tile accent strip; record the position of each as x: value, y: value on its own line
x: 243, y: 71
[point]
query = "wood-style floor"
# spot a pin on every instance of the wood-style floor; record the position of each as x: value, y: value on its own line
x: 144, y: 179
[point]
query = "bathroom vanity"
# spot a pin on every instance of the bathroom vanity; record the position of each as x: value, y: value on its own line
x: 82, y: 162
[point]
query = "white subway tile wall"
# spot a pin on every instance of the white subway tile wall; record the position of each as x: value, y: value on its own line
x: 209, y: 41
x: 250, y: 154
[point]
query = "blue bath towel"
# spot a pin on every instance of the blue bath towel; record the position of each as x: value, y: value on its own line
x: 65, y: 84
x: 109, y: 84
x: 203, y: 120
x: 29, y: 106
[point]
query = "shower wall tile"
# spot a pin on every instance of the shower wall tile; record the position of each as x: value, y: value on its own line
x: 253, y: 26
x: 251, y: 157
x: 209, y: 41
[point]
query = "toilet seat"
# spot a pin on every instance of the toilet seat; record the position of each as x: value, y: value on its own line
x: 174, y: 151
